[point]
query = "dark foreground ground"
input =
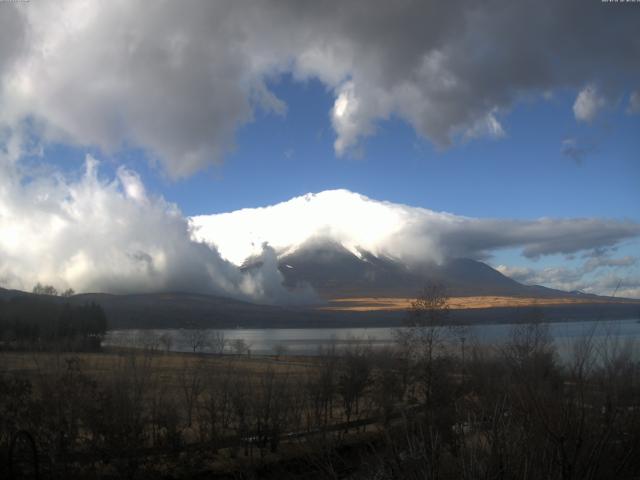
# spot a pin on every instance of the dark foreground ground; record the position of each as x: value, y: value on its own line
x: 411, y: 412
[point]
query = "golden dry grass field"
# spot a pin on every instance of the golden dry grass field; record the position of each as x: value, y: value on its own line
x: 167, y: 366
x: 367, y: 304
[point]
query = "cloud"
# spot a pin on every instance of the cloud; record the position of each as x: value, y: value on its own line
x: 575, y: 151
x: 563, y: 277
x: 539, y: 237
x: 571, y: 279
x: 351, y: 118
x: 556, y: 277
x: 12, y: 35
x: 623, y: 286
x: 109, y: 235
x: 410, y: 234
x: 489, y: 126
x: 599, y: 262
x: 634, y: 102
x: 177, y: 79
x: 588, y: 104
x: 289, y: 153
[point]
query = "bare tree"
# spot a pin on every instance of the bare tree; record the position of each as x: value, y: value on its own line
x: 196, y: 338
x: 218, y: 342
x: 529, y: 343
x: 425, y: 334
x: 320, y: 387
x: 217, y: 408
x: 191, y: 380
x: 353, y: 379
x: 280, y: 350
x: 387, y: 385
x: 426, y: 320
x: 40, y: 289
x: 239, y: 346
x: 431, y: 307
x: 166, y: 340
x: 147, y: 340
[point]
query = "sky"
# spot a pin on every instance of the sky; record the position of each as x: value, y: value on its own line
x: 508, y: 132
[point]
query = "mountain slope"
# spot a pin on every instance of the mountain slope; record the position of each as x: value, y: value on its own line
x: 418, y: 238
x: 335, y: 272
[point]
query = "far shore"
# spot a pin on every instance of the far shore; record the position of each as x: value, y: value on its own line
x: 368, y: 304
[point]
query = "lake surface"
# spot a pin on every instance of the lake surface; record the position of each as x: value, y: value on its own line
x: 308, y: 341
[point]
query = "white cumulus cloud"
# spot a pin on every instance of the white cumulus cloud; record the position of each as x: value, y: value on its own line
x: 410, y: 234
x: 109, y: 235
x: 588, y: 104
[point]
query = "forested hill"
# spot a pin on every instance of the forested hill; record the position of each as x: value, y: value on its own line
x: 28, y: 318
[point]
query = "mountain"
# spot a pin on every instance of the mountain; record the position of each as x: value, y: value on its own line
x: 336, y: 272
x: 346, y: 244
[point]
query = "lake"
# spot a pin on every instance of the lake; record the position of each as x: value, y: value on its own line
x: 307, y: 341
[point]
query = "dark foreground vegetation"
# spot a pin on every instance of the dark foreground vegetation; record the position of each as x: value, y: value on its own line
x: 436, y: 406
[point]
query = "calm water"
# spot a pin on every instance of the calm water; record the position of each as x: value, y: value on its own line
x: 307, y: 341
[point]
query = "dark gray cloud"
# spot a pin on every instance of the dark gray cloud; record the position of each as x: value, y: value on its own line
x: 478, y: 237
x: 598, y: 262
x: 634, y: 103
x: 178, y: 78
x: 12, y: 34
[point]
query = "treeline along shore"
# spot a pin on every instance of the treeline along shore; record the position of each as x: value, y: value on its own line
x: 180, y: 310
x: 39, y: 322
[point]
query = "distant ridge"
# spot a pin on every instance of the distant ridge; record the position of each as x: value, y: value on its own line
x: 188, y: 310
